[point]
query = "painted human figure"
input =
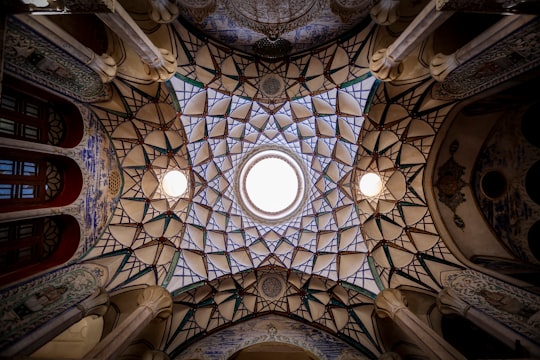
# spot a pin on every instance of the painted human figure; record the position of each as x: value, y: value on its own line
x: 39, y: 300
x: 509, y: 304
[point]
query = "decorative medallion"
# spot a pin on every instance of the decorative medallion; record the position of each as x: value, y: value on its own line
x: 272, y: 86
x: 272, y: 286
x: 450, y: 184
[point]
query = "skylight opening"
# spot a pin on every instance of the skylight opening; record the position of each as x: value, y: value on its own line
x: 370, y: 184
x: 175, y: 183
x: 271, y: 185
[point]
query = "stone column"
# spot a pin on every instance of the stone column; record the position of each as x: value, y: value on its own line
x: 449, y: 302
x: 96, y: 304
x: 154, y: 302
x: 391, y: 303
x: 442, y: 65
x: 386, y: 63
x: 160, y: 63
x: 103, y: 65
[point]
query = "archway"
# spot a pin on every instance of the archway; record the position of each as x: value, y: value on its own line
x: 273, y: 350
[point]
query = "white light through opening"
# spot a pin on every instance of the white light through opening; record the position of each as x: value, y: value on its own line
x: 370, y: 184
x: 272, y: 184
x: 174, y: 183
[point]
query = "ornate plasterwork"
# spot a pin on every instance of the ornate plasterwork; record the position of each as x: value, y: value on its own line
x: 368, y: 245
x: 401, y: 236
x: 273, y: 18
x: 28, y: 55
x: 511, y: 306
x: 517, y: 54
x: 209, y: 308
x: 31, y: 304
x: 231, y: 28
x: 275, y: 329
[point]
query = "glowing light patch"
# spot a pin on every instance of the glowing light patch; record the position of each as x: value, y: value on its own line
x: 370, y: 184
x: 271, y: 185
x: 174, y: 183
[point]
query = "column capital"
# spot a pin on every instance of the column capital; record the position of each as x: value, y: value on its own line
x: 163, y: 11
x: 163, y: 68
x: 441, y: 65
x: 384, y: 12
x: 157, y: 299
x: 105, y: 66
x: 383, y: 67
x: 389, y: 302
x: 449, y: 303
x: 95, y: 304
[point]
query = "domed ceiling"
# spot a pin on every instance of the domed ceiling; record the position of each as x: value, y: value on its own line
x: 324, y: 261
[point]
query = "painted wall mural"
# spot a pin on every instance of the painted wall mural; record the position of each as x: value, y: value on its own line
x: 499, y: 181
x: 25, y: 307
x: 450, y: 183
x: 271, y: 328
x: 518, y: 53
x: 516, y: 308
x: 96, y: 155
x: 34, y: 58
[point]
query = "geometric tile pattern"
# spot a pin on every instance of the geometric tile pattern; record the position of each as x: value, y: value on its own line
x: 213, y: 258
x: 404, y: 245
x: 318, y: 301
x: 325, y: 238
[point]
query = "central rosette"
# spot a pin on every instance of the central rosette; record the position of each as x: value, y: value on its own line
x: 271, y: 184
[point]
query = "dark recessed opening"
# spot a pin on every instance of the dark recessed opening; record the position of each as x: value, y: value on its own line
x: 493, y: 184
x: 532, y: 182
x: 534, y: 239
x: 529, y: 124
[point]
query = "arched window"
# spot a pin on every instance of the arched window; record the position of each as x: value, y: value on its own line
x: 32, y: 245
x: 31, y: 180
x: 35, y: 116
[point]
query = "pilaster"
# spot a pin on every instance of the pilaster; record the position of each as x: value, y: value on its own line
x: 154, y: 301
x: 103, y: 65
x: 386, y: 64
x: 392, y: 303
x: 442, y: 65
x: 160, y: 64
